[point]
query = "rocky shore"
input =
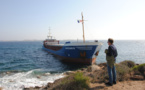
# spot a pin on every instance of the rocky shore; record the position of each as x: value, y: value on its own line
x: 129, y: 76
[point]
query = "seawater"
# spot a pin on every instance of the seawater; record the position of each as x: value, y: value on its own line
x: 133, y: 50
x: 25, y: 64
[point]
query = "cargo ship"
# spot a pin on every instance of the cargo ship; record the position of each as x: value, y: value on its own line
x: 73, y: 52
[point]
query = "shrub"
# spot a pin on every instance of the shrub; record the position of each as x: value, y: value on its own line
x: 81, y: 80
x: 100, y: 76
x: 140, y: 68
x: 75, y: 81
x: 128, y: 63
x: 122, y: 72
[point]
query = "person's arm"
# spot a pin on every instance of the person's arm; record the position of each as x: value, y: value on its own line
x: 110, y: 53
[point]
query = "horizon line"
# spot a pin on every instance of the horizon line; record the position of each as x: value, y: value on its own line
x: 69, y: 39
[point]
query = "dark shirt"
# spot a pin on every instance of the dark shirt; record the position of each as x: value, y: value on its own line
x: 112, y: 51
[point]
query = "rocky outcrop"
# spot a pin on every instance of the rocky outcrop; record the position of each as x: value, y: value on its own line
x: 98, y: 74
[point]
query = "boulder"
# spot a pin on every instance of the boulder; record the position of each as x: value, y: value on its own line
x: 37, y: 87
x: 69, y: 72
x: 38, y: 77
x: 137, y: 77
x: 93, y: 68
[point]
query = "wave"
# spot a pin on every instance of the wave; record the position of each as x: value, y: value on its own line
x: 32, y: 78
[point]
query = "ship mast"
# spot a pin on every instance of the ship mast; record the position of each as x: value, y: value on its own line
x: 83, y: 28
x: 49, y: 34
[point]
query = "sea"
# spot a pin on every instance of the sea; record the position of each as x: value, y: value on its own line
x: 25, y: 64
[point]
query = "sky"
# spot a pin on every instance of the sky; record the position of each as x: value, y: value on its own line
x: 30, y: 19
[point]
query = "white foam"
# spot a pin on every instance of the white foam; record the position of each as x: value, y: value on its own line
x: 27, y: 79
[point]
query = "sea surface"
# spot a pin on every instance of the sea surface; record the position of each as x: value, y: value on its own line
x: 26, y: 64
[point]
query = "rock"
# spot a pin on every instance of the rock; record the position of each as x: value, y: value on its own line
x: 79, y: 71
x: 24, y: 89
x: 137, y: 77
x: 144, y: 73
x: 103, y: 65
x: 96, y: 67
x: 137, y: 73
x: 82, y: 69
x: 91, y: 75
x: 46, y: 74
x: 49, y: 84
x: 136, y: 64
x: 11, y: 81
x: 69, y: 72
x: 28, y: 88
x: 93, y: 68
x: 7, y: 72
x: 38, y: 77
x: 37, y: 87
x: 142, y: 69
x: 1, y: 88
x: 89, y: 69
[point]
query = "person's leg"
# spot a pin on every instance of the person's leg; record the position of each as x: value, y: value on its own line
x: 110, y: 74
x: 114, y: 74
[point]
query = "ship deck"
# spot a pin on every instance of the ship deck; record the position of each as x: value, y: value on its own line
x: 56, y: 45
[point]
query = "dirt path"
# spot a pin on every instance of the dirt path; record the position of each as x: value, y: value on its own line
x: 127, y: 85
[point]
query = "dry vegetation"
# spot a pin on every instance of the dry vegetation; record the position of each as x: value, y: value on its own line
x: 81, y: 79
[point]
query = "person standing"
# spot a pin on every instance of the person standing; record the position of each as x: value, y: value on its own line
x: 111, y: 54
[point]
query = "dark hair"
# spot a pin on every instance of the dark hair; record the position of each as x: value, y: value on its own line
x: 110, y: 40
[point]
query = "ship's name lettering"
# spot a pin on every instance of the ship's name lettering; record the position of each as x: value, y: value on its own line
x: 70, y: 48
x: 84, y: 48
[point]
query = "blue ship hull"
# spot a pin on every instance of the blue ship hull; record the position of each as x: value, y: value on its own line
x: 84, y: 53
